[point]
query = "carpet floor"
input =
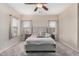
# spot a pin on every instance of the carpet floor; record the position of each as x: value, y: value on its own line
x: 18, y: 50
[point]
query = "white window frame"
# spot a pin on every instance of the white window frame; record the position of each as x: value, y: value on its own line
x: 13, y: 27
x: 51, y: 20
x: 28, y: 27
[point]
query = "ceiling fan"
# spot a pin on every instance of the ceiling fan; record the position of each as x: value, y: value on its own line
x: 38, y: 5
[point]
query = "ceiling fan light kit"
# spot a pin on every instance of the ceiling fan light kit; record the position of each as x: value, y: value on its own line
x: 38, y: 5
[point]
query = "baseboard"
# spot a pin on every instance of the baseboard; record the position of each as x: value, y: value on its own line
x: 68, y: 46
x: 40, y: 51
x: 9, y: 47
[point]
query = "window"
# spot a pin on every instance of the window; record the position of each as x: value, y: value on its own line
x: 14, y: 22
x: 14, y: 26
x: 27, y: 26
x: 52, y: 26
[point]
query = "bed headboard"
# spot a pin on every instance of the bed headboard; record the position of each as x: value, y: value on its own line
x: 38, y: 30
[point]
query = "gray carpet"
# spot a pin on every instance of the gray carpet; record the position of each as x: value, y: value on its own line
x: 18, y: 50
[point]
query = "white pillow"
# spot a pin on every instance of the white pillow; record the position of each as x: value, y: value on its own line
x: 47, y: 35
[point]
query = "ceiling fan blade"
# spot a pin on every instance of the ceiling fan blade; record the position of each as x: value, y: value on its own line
x: 30, y: 3
x: 34, y: 3
x: 44, y: 7
x: 36, y: 9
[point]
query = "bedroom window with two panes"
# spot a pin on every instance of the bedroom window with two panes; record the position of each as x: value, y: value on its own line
x: 14, y: 26
x: 27, y: 26
x: 52, y: 26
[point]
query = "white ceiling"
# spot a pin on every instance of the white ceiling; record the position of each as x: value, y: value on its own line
x: 53, y: 8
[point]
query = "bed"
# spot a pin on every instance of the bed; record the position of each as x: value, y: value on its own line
x: 40, y: 44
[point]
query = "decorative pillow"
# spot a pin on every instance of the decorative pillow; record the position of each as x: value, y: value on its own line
x: 41, y: 34
x: 47, y: 35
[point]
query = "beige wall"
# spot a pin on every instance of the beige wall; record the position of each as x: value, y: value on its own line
x: 39, y: 20
x: 68, y: 26
x: 5, y: 10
